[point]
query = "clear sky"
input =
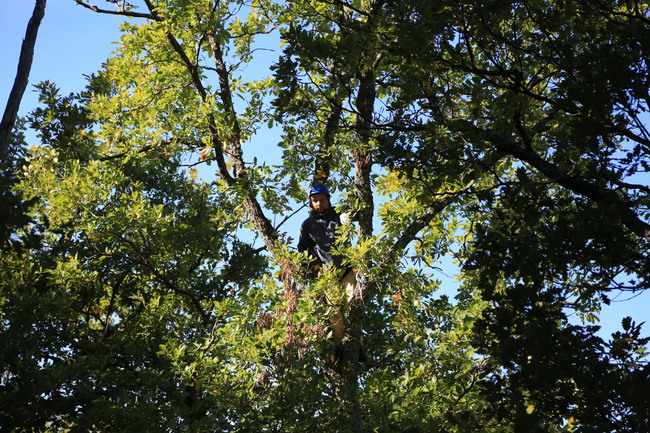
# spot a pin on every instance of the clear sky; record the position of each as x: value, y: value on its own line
x: 73, y: 41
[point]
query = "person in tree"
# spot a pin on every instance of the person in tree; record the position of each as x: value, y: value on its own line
x: 317, y: 236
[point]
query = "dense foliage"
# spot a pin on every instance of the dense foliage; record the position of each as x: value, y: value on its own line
x: 149, y: 280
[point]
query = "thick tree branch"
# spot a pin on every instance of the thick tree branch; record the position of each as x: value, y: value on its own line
x: 193, y: 69
x: 365, y: 101
x: 233, y: 146
x: 645, y: 142
x: 217, y: 143
x: 322, y: 164
x: 412, y: 230
x: 609, y: 198
x: 22, y: 76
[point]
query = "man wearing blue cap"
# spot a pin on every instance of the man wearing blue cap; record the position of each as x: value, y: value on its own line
x: 317, y: 237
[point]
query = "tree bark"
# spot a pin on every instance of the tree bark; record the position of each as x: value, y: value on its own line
x: 346, y: 383
x: 22, y: 76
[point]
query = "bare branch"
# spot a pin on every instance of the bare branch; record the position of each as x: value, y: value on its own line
x: 22, y: 76
x: 121, y: 12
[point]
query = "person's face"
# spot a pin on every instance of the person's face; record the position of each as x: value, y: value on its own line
x: 320, y: 202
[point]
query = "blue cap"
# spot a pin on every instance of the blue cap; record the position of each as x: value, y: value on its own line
x: 318, y: 188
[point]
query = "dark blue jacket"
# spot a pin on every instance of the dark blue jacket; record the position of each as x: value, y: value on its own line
x: 317, y: 236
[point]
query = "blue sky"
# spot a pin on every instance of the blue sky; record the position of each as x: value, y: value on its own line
x: 73, y: 41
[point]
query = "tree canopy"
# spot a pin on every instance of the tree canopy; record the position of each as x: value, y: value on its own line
x: 150, y: 280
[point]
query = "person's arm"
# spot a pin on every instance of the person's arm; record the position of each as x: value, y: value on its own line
x: 304, y: 241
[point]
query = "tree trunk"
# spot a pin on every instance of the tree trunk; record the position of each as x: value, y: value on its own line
x: 346, y: 380
x: 22, y: 77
